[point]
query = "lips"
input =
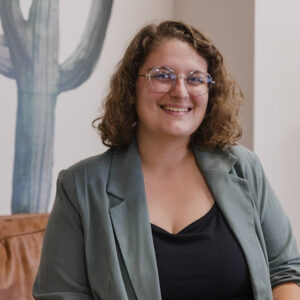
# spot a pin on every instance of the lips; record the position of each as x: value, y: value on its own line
x: 175, y: 109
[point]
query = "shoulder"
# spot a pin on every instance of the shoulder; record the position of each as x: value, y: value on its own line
x: 243, y: 154
x: 246, y: 160
x: 240, y: 162
x: 92, y: 163
x: 249, y: 167
x: 83, y: 181
x: 91, y: 168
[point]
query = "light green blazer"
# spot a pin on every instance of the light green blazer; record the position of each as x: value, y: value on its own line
x: 98, y: 243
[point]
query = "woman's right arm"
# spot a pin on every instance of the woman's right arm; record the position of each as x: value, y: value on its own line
x: 62, y: 273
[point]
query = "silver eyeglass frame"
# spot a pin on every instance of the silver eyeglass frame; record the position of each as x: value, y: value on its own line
x: 147, y: 75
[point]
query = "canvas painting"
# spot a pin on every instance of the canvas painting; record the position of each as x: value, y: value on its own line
x: 29, y: 55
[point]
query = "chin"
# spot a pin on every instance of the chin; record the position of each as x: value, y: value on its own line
x: 178, y: 134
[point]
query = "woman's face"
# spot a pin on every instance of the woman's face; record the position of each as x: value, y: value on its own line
x: 175, y: 113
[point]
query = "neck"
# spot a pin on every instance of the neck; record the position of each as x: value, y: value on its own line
x: 162, y: 153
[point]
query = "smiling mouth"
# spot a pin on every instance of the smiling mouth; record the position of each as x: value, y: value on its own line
x: 175, y: 109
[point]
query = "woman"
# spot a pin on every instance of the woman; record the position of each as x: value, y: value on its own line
x: 175, y: 209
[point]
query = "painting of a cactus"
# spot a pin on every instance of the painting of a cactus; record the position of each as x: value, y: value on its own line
x: 29, y: 50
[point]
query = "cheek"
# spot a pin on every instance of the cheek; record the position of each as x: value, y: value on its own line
x: 138, y: 108
x: 202, y: 102
x: 205, y: 103
x: 140, y: 100
x: 142, y: 106
x: 201, y: 110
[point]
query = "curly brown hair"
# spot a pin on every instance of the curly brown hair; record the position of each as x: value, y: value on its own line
x: 219, y: 129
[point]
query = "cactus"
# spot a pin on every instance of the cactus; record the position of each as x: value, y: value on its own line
x: 29, y: 54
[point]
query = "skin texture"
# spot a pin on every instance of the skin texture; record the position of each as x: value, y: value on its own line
x: 288, y: 290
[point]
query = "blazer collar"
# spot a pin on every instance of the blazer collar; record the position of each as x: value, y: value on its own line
x: 218, y: 161
x: 130, y: 219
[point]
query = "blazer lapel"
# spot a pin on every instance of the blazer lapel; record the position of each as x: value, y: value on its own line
x: 131, y: 223
x: 232, y: 195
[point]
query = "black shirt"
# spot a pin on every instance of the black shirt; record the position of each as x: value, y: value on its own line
x: 202, y: 261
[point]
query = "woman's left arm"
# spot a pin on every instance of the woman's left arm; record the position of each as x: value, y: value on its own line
x: 287, y: 290
x: 283, y: 255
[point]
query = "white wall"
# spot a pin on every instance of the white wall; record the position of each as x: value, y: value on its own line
x: 277, y: 99
x: 230, y: 24
x: 74, y: 137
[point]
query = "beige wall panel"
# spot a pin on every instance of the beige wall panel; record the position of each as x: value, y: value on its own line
x: 230, y: 24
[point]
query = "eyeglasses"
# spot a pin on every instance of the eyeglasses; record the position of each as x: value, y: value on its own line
x: 163, y: 79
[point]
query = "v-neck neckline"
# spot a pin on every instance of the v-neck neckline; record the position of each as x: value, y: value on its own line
x: 202, y: 219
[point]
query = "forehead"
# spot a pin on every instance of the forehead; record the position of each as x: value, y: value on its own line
x: 178, y: 55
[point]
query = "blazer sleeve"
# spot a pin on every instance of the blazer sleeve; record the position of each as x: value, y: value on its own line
x: 280, y: 243
x: 62, y: 272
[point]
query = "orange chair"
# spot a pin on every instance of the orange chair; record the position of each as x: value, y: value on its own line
x: 21, y: 238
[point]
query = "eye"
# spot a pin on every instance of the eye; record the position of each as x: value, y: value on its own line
x: 196, y: 79
x: 162, y: 76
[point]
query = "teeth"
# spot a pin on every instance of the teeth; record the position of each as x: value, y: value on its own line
x: 176, y: 109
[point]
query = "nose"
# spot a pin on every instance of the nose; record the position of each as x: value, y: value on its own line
x: 179, y: 89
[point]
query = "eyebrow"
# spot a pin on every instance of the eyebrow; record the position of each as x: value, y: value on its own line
x: 160, y: 67
x: 192, y: 70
